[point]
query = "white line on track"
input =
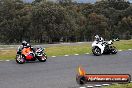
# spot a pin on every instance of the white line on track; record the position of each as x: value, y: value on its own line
x: 53, y: 56
x: 7, y: 60
x: 86, y: 53
x: 76, y: 54
x: 89, y: 86
x: 82, y: 87
x: 98, y: 85
x: 66, y: 55
x: 129, y: 49
x: 119, y: 50
x: 105, y: 84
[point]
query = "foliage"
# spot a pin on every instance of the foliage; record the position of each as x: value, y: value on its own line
x: 64, y: 20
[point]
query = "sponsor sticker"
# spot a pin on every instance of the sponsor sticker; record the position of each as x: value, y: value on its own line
x: 83, y: 78
x: 113, y: 78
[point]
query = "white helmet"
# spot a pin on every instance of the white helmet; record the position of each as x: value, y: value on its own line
x: 97, y: 36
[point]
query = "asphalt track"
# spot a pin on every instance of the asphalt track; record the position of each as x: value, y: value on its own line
x: 60, y: 72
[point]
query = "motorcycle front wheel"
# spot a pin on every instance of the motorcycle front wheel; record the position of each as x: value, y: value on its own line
x: 42, y: 58
x: 96, y: 51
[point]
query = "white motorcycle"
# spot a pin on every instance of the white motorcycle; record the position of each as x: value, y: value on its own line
x: 103, y: 47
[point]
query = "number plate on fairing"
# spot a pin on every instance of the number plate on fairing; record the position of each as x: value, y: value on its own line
x: 39, y: 54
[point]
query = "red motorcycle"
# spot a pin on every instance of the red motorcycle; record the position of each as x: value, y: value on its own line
x: 36, y: 54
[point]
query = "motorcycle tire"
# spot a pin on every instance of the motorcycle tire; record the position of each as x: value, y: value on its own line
x: 96, y: 51
x: 114, y: 50
x: 43, y: 58
x: 20, y: 59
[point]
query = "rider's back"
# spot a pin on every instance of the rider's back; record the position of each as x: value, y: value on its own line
x: 25, y: 51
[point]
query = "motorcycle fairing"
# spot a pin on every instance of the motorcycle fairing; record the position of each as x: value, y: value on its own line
x: 100, y: 45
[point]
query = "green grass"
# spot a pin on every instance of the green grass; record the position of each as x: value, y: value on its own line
x: 7, y: 54
x: 129, y: 85
x: 70, y: 50
x: 123, y: 44
x: 65, y: 49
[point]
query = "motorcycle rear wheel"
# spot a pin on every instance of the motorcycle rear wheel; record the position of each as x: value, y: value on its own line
x: 114, y: 50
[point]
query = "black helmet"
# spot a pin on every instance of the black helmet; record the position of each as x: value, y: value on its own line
x: 24, y: 43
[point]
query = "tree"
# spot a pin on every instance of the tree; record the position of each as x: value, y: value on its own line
x: 15, y: 20
x: 65, y: 2
x: 43, y: 21
x: 96, y: 24
x: 116, y: 4
x: 125, y: 27
x: 38, y: 1
x: 86, y: 9
x: 119, y: 4
x: 9, y: 19
x: 51, y: 20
